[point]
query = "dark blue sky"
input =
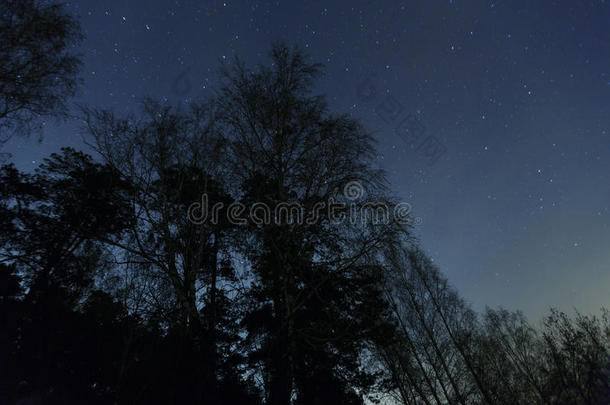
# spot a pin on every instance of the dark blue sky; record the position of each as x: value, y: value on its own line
x: 492, y: 117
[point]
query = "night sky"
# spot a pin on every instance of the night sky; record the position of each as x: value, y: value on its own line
x: 492, y: 117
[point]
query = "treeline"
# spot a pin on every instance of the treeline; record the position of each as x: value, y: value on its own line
x: 111, y: 293
x: 445, y: 353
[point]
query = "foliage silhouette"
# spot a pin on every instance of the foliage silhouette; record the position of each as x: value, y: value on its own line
x: 109, y: 293
x: 39, y: 68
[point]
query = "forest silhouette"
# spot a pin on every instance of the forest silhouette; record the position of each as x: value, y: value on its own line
x: 110, y: 294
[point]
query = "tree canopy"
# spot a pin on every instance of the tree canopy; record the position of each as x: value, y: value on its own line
x: 38, y: 72
x: 112, y: 292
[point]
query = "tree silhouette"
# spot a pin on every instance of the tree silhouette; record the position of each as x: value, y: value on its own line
x: 39, y: 66
x: 445, y: 353
x: 315, y: 283
x: 111, y: 291
x: 171, y: 160
x: 53, y: 215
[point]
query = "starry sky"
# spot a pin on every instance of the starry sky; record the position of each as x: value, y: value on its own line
x: 492, y: 117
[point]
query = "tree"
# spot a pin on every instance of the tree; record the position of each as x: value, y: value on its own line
x: 172, y: 160
x: 51, y: 259
x: 577, y: 358
x: 39, y: 67
x: 315, y: 294
x: 121, y: 281
x: 510, y: 351
x: 445, y: 353
x: 431, y: 360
